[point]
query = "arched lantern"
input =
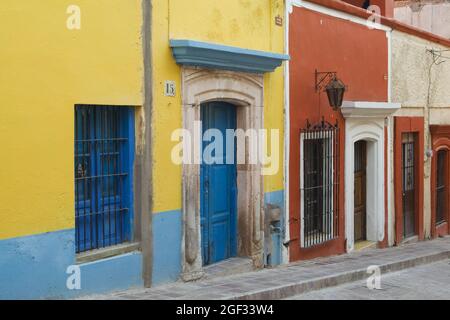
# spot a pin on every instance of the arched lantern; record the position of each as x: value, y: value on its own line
x: 335, y: 91
x: 335, y: 88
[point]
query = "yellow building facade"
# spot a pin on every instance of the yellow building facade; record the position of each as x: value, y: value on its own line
x: 55, y: 55
x: 63, y: 57
x: 196, y: 47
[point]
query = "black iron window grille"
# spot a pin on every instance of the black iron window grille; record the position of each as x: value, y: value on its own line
x: 104, y: 142
x: 441, y: 187
x: 319, y: 183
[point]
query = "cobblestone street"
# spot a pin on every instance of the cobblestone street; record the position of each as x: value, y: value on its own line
x: 416, y: 270
x: 422, y: 283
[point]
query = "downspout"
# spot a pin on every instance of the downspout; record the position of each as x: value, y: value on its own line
x: 285, y: 250
x: 144, y: 163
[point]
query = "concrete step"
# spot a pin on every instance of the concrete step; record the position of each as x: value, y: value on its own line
x: 364, y: 245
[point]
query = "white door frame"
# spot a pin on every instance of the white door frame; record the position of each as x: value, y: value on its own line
x: 366, y: 121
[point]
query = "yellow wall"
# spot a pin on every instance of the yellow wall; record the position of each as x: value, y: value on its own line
x: 45, y: 69
x: 242, y: 23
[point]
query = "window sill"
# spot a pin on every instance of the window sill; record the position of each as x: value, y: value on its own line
x: 99, y: 254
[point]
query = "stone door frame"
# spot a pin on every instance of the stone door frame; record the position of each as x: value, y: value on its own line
x: 246, y: 92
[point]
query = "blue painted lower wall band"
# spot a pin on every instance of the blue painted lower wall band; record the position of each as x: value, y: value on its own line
x: 167, y: 231
x: 275, y: 257
x: 275, y: 197
x: 34, y: 267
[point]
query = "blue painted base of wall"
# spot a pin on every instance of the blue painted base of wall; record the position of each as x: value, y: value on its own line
x: 34, y: 267
x: 167, y: 230
x: 167, y: 234
x: 275, y: 258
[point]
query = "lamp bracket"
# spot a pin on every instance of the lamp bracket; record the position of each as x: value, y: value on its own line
x: 321, y: 78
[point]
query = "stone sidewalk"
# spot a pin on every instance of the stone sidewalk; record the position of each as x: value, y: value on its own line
x: 296, y: 278
x: 426, y: 282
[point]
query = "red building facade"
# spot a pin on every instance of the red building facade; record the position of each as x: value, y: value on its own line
x: 322, y: 219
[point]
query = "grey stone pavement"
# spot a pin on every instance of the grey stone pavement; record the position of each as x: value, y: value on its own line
x: 428, y: 282
x: 301, y: 277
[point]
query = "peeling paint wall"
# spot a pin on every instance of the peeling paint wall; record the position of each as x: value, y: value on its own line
x: 423, y: 88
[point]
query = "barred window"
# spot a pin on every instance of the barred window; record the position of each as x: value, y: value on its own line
x: 104, y: 148
x: 319, y: 183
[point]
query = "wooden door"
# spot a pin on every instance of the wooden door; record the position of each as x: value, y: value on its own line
x: 409, y: 185
x: 360, y: 218
x: 218, y: 201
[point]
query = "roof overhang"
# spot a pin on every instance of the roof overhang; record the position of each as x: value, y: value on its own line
x: 365, y: 109
x: 215, y: 56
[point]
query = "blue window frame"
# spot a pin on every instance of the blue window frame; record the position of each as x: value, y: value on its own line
x: 104, y: 156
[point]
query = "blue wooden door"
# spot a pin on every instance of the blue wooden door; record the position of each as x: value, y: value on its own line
x: 218, y: 184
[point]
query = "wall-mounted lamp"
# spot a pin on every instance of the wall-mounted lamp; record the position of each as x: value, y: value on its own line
x: 334, y: 87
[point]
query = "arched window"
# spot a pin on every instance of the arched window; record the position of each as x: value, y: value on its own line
x: 441, y: 186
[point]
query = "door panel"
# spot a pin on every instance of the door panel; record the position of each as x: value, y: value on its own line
x: 218, y: 187
x: 360, y: 191
x: 408, y: 185
x: 441, y: 187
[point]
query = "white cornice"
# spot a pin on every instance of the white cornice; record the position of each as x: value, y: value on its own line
x: 366, y: 109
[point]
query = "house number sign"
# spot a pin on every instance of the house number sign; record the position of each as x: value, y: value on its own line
x: 170, y: 88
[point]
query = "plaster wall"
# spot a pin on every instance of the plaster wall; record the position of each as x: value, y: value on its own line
x: 47, y: 68
x: 240, y: 23
x: 422, y: 85
x: 432, y: 17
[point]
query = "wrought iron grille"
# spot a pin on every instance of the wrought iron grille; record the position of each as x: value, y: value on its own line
x: 102, y: 177
x: 441, y: 188
x: 320, y: 183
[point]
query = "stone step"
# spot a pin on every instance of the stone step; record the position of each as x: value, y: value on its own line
x: 228, y: 267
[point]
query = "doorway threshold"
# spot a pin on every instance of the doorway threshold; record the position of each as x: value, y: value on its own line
x: 228, y: 267
x: 411, y: 239
x: 365, y: 244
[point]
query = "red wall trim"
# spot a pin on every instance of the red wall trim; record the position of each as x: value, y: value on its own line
x: 389, y: 22
x: 408, y: 125
x: 440, y: 136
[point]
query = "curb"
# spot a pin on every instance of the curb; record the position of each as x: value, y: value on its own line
x: 290, y: 290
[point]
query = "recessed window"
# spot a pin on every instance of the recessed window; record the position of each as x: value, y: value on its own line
x: 104, y: 146
x: 319, y: 184
x: 441, y: 186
